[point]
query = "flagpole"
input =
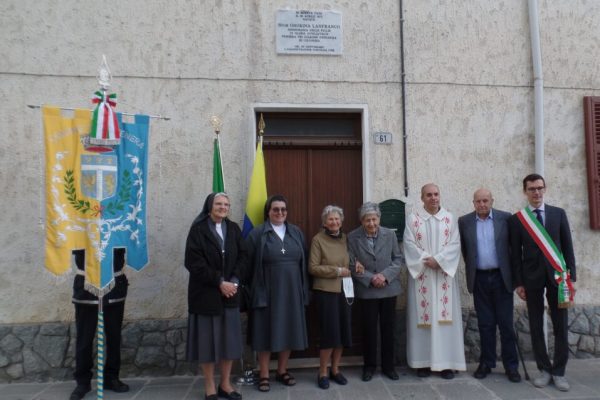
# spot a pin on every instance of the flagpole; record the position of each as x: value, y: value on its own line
x: 249, y: 374
x: 157, y: 116
x: 216, y: 123
x: 100, y: 356
x: 261, y: 129
x: 218, y: 175
x: 221, y: 159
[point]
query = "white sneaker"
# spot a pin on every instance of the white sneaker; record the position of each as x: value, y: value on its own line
x: 561, y: 383
x: 542, y: 380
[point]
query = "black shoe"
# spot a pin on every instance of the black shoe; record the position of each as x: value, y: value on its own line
x: 211, y: 397
x: 233, y: 395
x: 482, y: 371
x: 513, y: 375
x: 447, y: 374
x: 338, y: 378
x: 80, y: 392
x: 367, y: 374
x: 323, y: 382
x: 116, y: 386
x: 392, y: 374
x: 423, y: 372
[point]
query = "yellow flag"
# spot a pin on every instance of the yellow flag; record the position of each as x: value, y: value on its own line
x: 72, y: 218
x: 257, y: 193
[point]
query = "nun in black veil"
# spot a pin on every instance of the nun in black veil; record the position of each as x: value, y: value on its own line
x: 214, y: 256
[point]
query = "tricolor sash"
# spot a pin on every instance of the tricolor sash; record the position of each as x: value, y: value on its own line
x: 540, y: 236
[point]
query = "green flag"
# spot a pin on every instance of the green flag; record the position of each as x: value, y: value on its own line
x: 218, y: 181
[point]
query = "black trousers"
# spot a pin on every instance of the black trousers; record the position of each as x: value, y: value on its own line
x: 382, y: 313
x: 86, y: 321
x: 494, y: 307
x: 559, y: 316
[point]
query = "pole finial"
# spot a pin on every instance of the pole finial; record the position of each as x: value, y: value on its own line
x: 104, y: 76
x: 216, y: 123
x: 261, y: 125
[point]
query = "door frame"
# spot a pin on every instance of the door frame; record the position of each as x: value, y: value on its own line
x: 363, y: 109
x: 322, y: 108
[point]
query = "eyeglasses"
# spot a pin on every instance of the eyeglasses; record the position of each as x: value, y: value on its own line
x: 283, y: 210
x: 536, y: 189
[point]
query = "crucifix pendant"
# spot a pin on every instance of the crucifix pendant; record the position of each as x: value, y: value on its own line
x: 282, y: 250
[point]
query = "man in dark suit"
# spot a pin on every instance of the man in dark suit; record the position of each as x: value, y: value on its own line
x: 533, y: 273
x: 86, y: 322
x: 484, y: 240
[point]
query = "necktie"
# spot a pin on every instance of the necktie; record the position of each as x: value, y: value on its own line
x: 538, y: 214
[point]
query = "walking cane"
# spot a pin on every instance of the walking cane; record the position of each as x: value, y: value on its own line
x: 520, y: 353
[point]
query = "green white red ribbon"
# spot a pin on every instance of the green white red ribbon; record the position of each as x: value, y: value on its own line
x: 105, y: 128
x: 556, y: 259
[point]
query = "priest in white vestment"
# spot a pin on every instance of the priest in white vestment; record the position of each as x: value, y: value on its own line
x: 434, y: 318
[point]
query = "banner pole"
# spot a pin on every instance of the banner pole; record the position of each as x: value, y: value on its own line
x: 100, y: 355
x: 34, y: 106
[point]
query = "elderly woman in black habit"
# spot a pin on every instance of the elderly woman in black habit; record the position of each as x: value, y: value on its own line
x: 214, y: 255
x: 279, y: 291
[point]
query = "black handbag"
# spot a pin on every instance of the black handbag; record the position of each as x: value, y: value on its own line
x: 245, y: 298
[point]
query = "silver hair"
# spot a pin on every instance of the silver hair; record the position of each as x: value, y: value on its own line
x: 222, y: 194
x: 368, y: 208
x: 331, y: 209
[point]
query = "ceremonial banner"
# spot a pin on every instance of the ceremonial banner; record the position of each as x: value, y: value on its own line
x: 257, y: 193
x: 95, y: 200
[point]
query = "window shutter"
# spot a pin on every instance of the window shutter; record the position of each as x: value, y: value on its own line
x: 591, y: 107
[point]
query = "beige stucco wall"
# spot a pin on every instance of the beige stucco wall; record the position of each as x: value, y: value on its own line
x: 469, y: 112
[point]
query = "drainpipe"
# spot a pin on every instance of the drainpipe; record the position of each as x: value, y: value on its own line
x: 403, y: 76
x: 538, y: 85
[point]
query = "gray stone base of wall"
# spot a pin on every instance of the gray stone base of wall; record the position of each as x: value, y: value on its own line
x: 157, y: 347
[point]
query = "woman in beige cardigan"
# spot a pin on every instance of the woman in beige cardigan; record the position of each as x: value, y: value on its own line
x: 328, y: 264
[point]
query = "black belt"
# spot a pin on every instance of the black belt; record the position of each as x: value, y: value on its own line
x: 488, y: 271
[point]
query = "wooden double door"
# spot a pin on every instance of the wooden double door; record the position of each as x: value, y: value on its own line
x: 312, y: 176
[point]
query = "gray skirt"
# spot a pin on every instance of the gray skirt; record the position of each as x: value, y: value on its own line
x: 214, y: 338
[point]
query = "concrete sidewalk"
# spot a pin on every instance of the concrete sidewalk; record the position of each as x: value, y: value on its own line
x: 583, y: 375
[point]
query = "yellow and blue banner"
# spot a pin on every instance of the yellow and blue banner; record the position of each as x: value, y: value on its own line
x: 257, y: 193
x: 95, y: 196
